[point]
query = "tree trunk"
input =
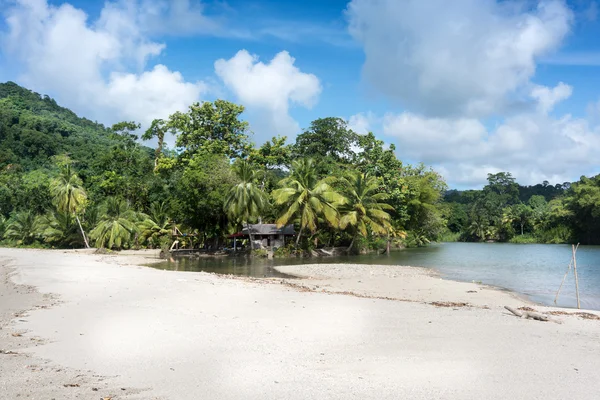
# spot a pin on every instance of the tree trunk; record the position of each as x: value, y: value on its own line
x: 351, y: 243
x: 87, y: 245
x: 522, y: 229
x: 299, y: 235
x: 387, y: 250
x: 251, y: 237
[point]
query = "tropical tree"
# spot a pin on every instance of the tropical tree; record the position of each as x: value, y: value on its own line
x: 155, y: 226
x: 59, y: 228
x: 117, y: 226
x: 2, y: 226
x: 394, y: 233
x: 523, y: 215
x: 22, y: 227
x: 305, y: 198
x: 365, y: 209
x: 157, y: 129
x: 245, y: 201
x: 68, y: 193
x: 213, y: 128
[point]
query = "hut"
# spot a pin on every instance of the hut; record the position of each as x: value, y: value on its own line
x: 267, y: 236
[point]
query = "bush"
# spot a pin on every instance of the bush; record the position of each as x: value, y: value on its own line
x: 449, y: 236
x: 285, y: 251
x: 524, y: 239
x: 260, y: 253
x: 557, y: 235
x: 414, y: 239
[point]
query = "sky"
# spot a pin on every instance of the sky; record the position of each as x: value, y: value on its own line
x: 469, y: 87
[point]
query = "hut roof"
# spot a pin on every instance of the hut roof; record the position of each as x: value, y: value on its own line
x: 270, y: 229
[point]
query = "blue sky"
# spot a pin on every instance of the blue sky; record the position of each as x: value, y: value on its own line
x: 479, y: 87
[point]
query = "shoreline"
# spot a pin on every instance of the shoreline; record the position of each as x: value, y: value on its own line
x: 23, y: 374
x: 187, y: 335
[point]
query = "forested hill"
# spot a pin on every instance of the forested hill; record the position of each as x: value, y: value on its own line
x: 33, y: 128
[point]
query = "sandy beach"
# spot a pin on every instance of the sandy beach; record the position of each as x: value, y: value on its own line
x: 86, y: 326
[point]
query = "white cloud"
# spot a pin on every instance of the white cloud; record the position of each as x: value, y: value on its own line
x: 472, y: 58
x: 174, y: 17
x: 362, y: 123
x: 269, y: 90
x: 534, y: 146
x: 87, y: 65
x: 548, y: 97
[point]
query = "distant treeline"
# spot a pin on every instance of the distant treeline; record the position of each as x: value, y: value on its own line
x: 506, y: 211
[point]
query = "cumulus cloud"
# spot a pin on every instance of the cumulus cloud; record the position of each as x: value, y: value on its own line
x: 548, y: 97
x: 87, y: 64
x: 470, y: 58
x: 534, y: 146
x: 269, y: 90
x: 362, y: 123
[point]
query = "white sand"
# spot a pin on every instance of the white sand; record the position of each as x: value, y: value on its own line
x: 196, y: 336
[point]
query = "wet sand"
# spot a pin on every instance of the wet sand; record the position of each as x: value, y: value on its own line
x: 344, y: 332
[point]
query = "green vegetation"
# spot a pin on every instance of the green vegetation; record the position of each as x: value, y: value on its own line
x: 66, y: 181
x: 506, y: 211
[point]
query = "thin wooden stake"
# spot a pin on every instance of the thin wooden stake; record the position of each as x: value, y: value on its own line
x: 563, y: 280
x: 575, y: 271
x: 566, y: 273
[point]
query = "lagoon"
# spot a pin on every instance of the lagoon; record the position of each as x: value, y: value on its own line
x: 533, y: 270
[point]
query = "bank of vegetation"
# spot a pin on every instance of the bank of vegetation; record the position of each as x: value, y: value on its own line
x: 66, y: 182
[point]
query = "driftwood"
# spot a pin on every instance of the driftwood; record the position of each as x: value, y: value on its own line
x: 528, y: 314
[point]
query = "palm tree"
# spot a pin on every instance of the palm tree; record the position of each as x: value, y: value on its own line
x: 68, y: 195
x: 2, y: 226
x: 22, y: 227
x: 394, y: 233
x: 365, y: 209
x: 59, y: 228
x: 479, y: 229
x: 306, y: 198
x: 117, y: 224
x: 245, y: 201
x: 155, y: 225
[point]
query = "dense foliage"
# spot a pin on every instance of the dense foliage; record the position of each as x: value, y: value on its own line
x: 506, y: 211
x: 66, y: 181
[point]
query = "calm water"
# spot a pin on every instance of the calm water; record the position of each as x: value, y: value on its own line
x: 535, y: 270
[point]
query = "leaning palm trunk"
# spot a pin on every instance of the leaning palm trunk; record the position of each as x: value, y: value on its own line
x: 87, y: 245
x: 251, y: 236
x: 299, y: 236
x: 352, y: 243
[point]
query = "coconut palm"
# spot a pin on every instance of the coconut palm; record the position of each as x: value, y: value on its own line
x: 479, y: 229
x: 365, y: 209
x: 306, y: 198
x: 245, y: 201
x: 156, y: 224
x: 117, y: 226
x: 22, y: 228
x: 394, y: 233
x: 68, y: 195
x: 2, y: 226
x: 59, y: 228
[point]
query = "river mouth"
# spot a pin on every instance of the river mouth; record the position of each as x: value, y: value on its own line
x: 532, y: 270
x: 238, y: 266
